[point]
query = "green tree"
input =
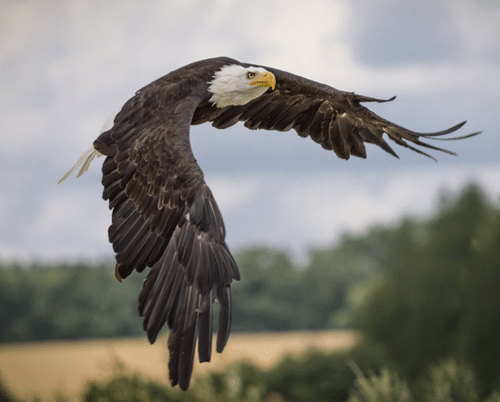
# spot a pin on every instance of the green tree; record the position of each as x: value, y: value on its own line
x: 329, y: 292
x: 439, y: 296
x: 266, y: 297
x: 41, y: 302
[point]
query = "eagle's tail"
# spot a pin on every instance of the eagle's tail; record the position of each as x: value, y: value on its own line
x: 84, y: 161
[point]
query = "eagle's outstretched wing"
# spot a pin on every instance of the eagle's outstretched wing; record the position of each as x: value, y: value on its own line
x: 334, y: 119
x: 165, y: 217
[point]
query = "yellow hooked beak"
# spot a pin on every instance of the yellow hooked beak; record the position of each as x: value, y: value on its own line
x: 266, y: 79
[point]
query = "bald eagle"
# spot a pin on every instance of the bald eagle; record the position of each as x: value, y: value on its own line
x: 165, y: 216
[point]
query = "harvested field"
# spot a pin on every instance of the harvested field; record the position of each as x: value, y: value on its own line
x: 43, y: 368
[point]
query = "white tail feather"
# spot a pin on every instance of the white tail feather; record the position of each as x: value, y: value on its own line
x: 84, y: 161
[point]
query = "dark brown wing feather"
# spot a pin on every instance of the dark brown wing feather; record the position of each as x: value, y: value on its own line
x: 165, y: 217
x: 334, y: 119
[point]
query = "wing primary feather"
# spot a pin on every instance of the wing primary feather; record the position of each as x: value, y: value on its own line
x: 444, y: 132
x: 182, y: 348
x: 369, y: 136
x: 187, y: 354
x: 362, y: 98
x: 206, y: 329
x: 156, y: 280
x: 419, y: 151
x: 224, y: 297
x: 175, y: 310
x: 424, y: 144
x: 175, y: 294
x: 155, y: 307
x: 461, y: 137
x: 174, y: 345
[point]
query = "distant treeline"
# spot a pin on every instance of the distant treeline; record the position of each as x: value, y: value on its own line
x: 419, y: 292
x: 79, y: 300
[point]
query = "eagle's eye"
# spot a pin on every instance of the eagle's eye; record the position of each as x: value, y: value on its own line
x: 250, y: 75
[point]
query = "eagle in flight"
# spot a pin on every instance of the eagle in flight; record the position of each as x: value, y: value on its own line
x: 165, y: 216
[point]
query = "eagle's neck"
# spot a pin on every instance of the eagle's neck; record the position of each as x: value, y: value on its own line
x: 235, y: 98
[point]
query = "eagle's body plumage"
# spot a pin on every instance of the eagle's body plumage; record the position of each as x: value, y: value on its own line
x: 165, y: 216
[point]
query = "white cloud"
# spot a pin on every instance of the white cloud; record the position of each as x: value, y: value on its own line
x: 295, y: 211
x: 236, y: 194
x: 71, y: 222
x: 473, y: 21
x: 285, y: 30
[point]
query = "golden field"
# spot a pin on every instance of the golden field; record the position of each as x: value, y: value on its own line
x: 43, y: 368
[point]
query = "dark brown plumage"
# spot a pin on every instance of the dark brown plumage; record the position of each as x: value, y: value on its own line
x: 164, y: 215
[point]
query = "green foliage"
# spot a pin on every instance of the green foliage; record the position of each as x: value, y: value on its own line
x: 450, y: 381
x: 240, y: 382
x: 126, y: 387
x: 494, y: 397
x: 66, y: 302
x: 70, y: 301
x: 445, y: 382
x: 439, y: 295
x: 385, y: 387
x: 326, y: 285
x: 266, y: 295
x: 276, y: 295
x: 319, y: 376
x: 230, y: 385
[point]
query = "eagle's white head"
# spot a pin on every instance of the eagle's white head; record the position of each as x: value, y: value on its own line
x: 237, y: 85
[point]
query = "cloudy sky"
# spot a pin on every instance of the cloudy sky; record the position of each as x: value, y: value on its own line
x: 68, y: 66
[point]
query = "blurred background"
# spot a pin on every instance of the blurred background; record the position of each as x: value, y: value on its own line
x: 405, y: 252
